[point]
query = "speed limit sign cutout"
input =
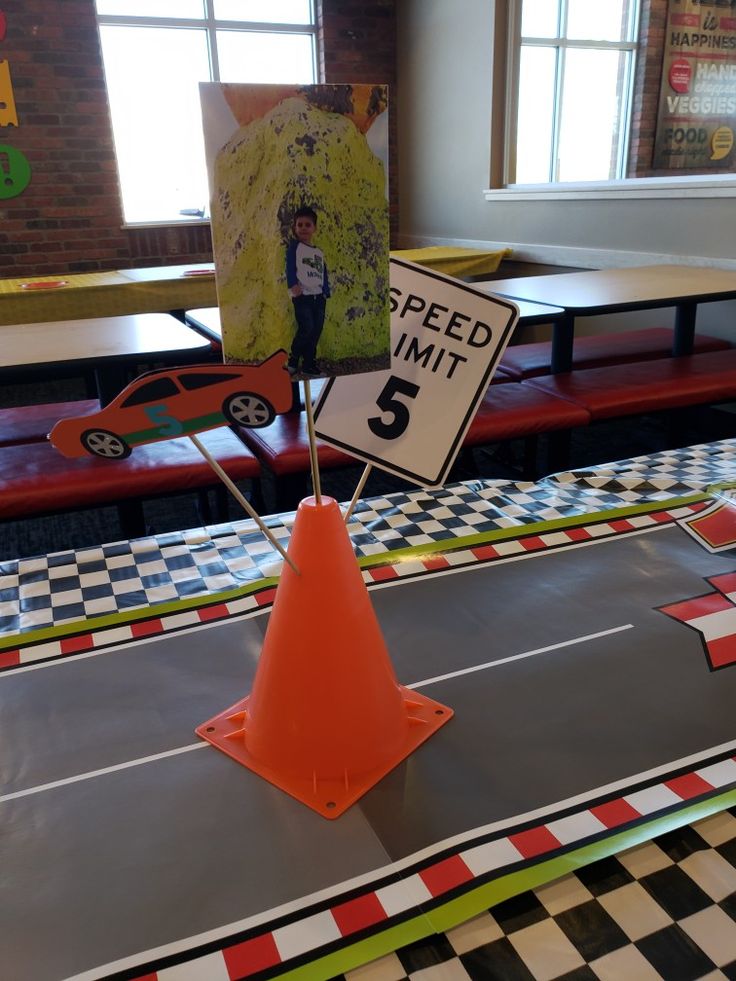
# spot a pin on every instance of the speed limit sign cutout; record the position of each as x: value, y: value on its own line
x: 447, y: 339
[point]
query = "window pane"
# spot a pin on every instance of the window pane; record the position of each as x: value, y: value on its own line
x: 190, y: 383
x: 261, y: 57
x: 161, y: 388
x: 603, y: 20
x: 273, y: 12
x: 591, y: 102
x: 152, y: 8
x: 152, y: 82
x: 536, y: 111
x: 539, y: 18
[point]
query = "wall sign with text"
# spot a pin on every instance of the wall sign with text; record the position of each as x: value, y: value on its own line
x: 696, y: 118
x: 446, y: 341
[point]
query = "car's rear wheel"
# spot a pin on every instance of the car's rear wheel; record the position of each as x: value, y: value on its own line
x: 100, y: 442
x: 248, y: 409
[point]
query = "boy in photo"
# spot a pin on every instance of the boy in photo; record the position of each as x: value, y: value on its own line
x: 306, y: 279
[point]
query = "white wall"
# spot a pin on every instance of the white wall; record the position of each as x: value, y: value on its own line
x: 445, y: 61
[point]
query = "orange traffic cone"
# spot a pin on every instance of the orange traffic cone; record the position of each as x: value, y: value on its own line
x: 326, y: 718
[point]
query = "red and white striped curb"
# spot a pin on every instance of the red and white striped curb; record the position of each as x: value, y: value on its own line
x: 275, y: 948
x: 522, y: 545
x: 713, y: 616
x: 123, y: 633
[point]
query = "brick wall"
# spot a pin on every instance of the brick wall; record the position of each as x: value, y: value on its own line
x: 69, y: 218
x: 358, y: 44
x: 646, y: 88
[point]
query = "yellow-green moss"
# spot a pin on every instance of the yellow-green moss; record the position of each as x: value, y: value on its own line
x: 298, y: 155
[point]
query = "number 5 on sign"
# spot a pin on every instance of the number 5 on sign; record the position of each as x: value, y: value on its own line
x: 388, y: 402
x: 446, y: 341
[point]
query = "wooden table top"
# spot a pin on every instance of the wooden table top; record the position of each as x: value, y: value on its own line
x: 207, y: 319
x: 604, y: 289
x: 529, y: 312
x: 96, y: 339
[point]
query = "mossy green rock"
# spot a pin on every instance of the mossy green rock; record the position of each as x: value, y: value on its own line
x: 294, y: 156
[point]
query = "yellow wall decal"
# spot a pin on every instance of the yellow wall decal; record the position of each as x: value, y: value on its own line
x: 8, y: 116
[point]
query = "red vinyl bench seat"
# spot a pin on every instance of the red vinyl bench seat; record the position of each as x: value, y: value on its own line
x: 283, y: 448
x: 648, y: 386
x: 32, y: 423
x: 508, y: 411
x: 36, y: 479
x: 599, y: 350
x: 284, y: 445
x: 518, y: 411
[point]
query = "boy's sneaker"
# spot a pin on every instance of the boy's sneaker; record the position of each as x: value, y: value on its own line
x: 312, y: 370
x: 292, y: 367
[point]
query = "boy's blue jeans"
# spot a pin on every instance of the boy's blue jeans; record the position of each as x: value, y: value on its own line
x: 310, y: 318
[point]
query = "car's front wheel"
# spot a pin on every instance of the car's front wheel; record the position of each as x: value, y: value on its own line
x: 100, y: 442
x: 248, y: 409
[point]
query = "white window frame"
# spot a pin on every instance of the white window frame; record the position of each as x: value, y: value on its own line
x: 211, y: 25
x: 690, y: 186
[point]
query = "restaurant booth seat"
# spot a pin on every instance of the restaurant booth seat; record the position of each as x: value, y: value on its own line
x: 32, y: 423
x: 600, y: 350
x: 506, y: 412
x: 283, y: 447
x: 510, y: 412
x: 647, y: 386
x: 513, y: 411
x: 35, y: 479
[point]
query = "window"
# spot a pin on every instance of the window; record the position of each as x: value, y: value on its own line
x: 191, y: 383
x: 573, y: 62
x: 588, y: 86
x: 159, y: 388
x: 155, y: 53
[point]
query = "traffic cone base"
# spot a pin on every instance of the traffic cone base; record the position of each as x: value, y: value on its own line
x: 326, y: 717
x: 329, y: 796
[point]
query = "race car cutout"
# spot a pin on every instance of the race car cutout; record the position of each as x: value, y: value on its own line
x: 162, y: 405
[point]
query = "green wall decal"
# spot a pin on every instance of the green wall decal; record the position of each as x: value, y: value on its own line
x: 15, y: 172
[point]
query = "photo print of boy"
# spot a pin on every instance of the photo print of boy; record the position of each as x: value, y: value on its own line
x: 309, y: 289
x: 299, y: 213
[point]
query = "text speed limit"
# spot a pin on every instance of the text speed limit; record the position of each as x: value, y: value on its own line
x: 446, y: 341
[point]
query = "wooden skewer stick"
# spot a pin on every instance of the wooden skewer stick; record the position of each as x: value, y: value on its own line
x: 358, y: 491
x: 312, y: 442
x: 244, y: 503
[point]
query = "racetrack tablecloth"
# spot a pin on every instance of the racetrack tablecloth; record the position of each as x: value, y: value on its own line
x: 237, y: 553
x: 150, y: 605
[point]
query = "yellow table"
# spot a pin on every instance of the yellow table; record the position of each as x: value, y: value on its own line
x: 105, y: 294
x: 163, y: 288
x: 454, y: 261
